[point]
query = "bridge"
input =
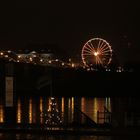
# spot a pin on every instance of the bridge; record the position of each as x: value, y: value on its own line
x: 38, y: 79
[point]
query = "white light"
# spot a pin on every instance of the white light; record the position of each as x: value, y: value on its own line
x: 19, y: 56
x: 96, y: 53
x: 73, y: 65
x: 50, y: 61
x: 1, y: 53
x: 41, y: 60
x: 31, y: 59
x: 6, y: 56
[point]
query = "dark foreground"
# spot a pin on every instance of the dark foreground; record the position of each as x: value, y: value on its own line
x: 100, y: 131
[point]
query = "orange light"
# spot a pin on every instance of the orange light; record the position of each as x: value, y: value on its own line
x: 19, y: 111
x: 30, y: 111
x: 41, y: 110
x: 1, y: 114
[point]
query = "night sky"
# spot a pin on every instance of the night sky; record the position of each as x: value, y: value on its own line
x: 69, y: 24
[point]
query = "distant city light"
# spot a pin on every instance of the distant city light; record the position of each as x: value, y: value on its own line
x: 1, y: 53
x: 41, y: 60
x: 73, y: 65
x: 96, y: 57
x: 50, y: 61
x: 19, y: 56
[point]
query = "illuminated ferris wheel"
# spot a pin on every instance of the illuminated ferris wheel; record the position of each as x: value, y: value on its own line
x: 96, y: 52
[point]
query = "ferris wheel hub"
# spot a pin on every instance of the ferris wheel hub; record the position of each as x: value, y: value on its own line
x: 96, y: 53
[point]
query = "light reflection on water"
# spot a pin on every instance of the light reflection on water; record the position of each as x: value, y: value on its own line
x: 62, y: 137
x: 90, y: 106
x: 33, y: 109
x: 47, y: 137
x: 1, y: 114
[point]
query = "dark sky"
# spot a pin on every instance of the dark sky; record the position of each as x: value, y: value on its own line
x: 70, y: 23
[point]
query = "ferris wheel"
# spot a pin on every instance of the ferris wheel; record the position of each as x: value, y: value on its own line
x: 96, y: 52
